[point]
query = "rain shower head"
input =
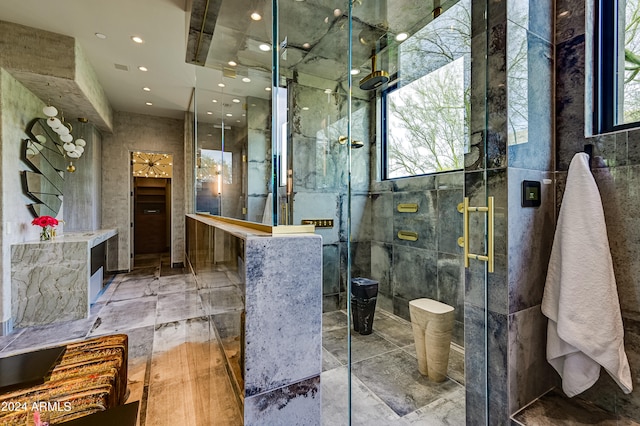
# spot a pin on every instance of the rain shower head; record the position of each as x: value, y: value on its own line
x: 375, y: 79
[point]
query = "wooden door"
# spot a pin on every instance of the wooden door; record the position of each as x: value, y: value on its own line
x: 151, y: 215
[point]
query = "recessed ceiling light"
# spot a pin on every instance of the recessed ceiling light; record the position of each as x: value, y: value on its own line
x: 214, y: 101
x: 246, y: 80
x: 137, y: 39
x: 237, y: 101
x: 355, y: 71
x: 220, y: 84
x: 306, y: 46
x: 256, y: 16
x: 146, y: 89
x: 305, y: 108
x: 326, y: 20
x: 144, y: 69
x: 101, y: 36
x: 209, y: 113
x: 244, y: 115
x: 237, y: 121
x: 232, y: 63
x: 337, y: 12
x: 268, y: 89
x: 402, y: 36
x: 563, y: 14
x: 149, y: 103
x: 229, y: 114
x: 265, y: 47
x: 328, y: 91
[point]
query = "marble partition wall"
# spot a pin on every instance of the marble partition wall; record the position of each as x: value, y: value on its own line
x: 616, y: 169
x: 283, y: 330
x: 279, y: 289
x: 50, y: 279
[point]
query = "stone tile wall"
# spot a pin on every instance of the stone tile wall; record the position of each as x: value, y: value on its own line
x: 430, y: 267
x: 136, y: 132
x: 512, y: 140
x: 616, y: 168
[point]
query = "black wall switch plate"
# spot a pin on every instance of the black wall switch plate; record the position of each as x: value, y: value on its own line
x: 530, y: 193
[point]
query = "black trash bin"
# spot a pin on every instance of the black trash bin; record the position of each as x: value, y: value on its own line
x: 364, y: 293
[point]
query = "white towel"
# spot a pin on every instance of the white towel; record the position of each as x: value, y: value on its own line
x: 580, y: 297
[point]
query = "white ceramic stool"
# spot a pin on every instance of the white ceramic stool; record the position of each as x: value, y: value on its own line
x: 432, y: 324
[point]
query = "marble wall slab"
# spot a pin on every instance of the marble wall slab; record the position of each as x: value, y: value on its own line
x: 274, y: 310
x: 50, y: 282
x: 615, y: 167
x: 519, y: 143
x: 283, y: 304
x: 531, y: 231
x: 530, y: 375
x: 298, y: 403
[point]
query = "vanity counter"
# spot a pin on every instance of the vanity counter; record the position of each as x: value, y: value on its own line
x: 56, y: 280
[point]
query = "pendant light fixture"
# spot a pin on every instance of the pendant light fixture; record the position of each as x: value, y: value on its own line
x: 64, y: 129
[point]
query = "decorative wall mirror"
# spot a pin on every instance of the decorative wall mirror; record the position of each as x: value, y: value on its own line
x: 45, y: 155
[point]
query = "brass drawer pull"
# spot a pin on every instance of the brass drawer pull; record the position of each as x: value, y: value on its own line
x: 407, y: 208
x: 408, y: 235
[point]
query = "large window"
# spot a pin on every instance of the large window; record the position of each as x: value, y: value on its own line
x: 426, y: 108
x: 425, y: 121
x: 618, y: 65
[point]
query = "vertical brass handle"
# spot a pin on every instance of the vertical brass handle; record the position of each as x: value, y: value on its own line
x: 465, y: 209
x: 465, y: 232
x: 490, y: 233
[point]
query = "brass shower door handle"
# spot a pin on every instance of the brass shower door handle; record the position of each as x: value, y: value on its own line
x: 465, y: 209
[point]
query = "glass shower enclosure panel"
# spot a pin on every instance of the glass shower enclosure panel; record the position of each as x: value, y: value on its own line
x: 416, y: 104
x: 312, y: 127
x: 233, y: 152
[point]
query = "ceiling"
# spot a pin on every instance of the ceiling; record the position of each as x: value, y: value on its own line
x: 315, y: 30
x: 161, y: 24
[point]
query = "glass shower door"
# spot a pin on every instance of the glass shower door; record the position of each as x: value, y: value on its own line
x: 415, y: 155
x: 357, y: 87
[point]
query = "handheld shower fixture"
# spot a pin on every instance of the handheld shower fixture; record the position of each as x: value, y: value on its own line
x: 376, y: 78
x: 354, y: 144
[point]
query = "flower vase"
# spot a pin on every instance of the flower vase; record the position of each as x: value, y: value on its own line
x: 45, y: 235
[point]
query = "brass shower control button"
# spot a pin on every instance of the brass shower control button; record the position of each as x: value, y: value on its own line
x: 318, y: 223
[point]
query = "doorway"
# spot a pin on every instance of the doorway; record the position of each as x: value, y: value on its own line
x: 151, y: 215
x: 151, y: 203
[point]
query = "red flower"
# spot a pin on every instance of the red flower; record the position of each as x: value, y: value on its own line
x: 45, y: 221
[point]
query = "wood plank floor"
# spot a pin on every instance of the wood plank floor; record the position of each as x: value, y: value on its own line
x: 176, y: 367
